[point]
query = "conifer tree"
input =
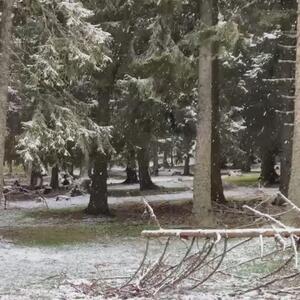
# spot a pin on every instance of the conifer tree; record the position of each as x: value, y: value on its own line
x: 6, y: 24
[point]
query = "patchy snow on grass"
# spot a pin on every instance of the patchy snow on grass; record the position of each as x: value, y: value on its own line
x: 238, y: 193
x: 50, y: 272
x: 36, y: 273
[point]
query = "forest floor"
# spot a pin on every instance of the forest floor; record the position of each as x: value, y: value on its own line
x: 44, y: 252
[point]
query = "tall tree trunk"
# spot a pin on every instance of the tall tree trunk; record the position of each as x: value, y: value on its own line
x: 217, y: 193
x: 34, y: 177
x: 186, y: 170
x: 286, y: 70
x: 155, y: 158
x: 71, y: 170
x: 294, y: 185
x: 144, y: 176
x: 172, y: 157
x: 206, y: 186
x: 98, y: 204
x: 268, y: 174
x: 285, y: 159
x: 6, y: 24
x: 131, y: 173
x: 165, y: 160
x: 54, y: 178
x: 246, y: 167
x: 10, y: 166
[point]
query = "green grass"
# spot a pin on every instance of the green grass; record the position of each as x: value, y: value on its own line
x: 70, y: 235
x: 64, y: 214
x: 67, y: 228
x: 136, y: 192
x: 247, y: 179
x: 260, y: 268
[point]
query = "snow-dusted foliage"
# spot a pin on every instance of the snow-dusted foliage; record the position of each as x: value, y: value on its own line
x: 59, y: 51
x: 139, y: 110
x: 258, y: 63
x: 53, y: 138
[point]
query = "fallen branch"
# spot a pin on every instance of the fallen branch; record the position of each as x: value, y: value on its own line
x: 263, y: 285
x: 270, y: 218
x: 151, y: 212
x: 288, y: 201
x: 224, y: 233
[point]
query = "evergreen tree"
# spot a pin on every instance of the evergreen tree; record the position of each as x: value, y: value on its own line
x: 57, y: 72
x: 6, y: 24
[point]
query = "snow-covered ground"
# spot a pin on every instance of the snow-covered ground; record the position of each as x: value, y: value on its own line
x: 236, y: 193
x: 36, y: 273
x: 181, y: 197
x: 45, y: 272
x: 167, y: 181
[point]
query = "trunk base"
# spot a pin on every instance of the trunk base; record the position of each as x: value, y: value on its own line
x: 205, y: 219
x: 149, y: 186
x: 145, y: 178
x: 132, y: 177
x: 97, y: 211
x: 98, y: 204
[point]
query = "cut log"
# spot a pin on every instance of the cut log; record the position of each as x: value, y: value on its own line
x: 224, y: 233
x: 278, y: 80
x: 288, y: 97
x: 286, y: 61
x: 287, y: 47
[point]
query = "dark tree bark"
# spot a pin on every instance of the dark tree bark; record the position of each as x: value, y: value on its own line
x: 246, y: 166
x: 10, y: 151
x: 294, y: 178
x: 165, y: 160
x: 144, y: 176
x: 186, y: 170
x: 71, y: 170
x: 34, y: 177
x: 131, y: 173
x: 268, y: 175
x: 90, y: 170
x: 287, y: 70
x: 155, y: 159
x: 10, y: 166
x: 54, y: 178
x: 131, y: 176
x: 6, y: 24
x: 217, y: 192
x: 98, y: 204
x: 172, y: 158
x: 285, y: 168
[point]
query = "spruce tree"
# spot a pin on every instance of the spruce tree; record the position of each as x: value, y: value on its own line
x: 6, y: 24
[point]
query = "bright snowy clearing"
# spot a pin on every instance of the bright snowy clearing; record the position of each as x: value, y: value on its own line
x: 42, y: 256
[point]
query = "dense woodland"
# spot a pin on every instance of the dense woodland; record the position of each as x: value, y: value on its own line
x: 208, y: 89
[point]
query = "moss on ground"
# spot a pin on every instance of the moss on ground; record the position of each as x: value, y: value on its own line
x: 64, y: 214
x: 260, y: 268
x: 66, y: 235
x: 247, y: 179
x: 137, y: 192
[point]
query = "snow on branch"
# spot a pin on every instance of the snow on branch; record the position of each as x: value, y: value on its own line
x: 224, y: 233
x: 278, y: 80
